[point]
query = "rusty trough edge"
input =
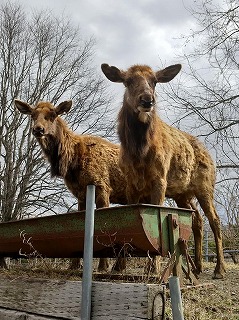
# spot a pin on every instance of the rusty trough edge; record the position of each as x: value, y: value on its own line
x: 135, y: 228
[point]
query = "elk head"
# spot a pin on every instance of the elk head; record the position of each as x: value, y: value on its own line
x: 140, y: 82
x: 43, y: 115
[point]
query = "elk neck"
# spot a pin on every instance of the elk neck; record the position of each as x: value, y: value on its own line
x: 134, y: 135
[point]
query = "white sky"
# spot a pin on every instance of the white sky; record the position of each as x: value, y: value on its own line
x: 127, y: 31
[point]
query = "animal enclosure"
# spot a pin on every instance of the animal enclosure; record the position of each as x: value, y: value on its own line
x: 148, y: 229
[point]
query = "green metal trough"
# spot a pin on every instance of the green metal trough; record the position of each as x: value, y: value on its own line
x: 142, y: 229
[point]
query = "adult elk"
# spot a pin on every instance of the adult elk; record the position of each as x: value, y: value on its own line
x: 162, y: 160
x: 79, y: 159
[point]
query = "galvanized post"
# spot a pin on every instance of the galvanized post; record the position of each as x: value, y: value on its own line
x: 206, y: 245
x: 88, y: 254
x: 175, y: 296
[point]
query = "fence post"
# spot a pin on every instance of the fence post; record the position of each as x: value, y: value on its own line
x: 88, y: 254
x: 206, y: 245
x: 176, y: 300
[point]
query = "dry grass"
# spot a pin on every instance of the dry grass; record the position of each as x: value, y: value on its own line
x: 215, y: 302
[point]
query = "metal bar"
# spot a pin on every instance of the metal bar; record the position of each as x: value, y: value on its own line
x: 175, y: 296
x: 206, y: 245
x: 231, y: 251
x: 173, y: 229
x: 88, y: 254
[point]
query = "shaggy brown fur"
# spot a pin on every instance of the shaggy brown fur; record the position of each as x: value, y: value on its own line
x: 162, y: 160
x: 79, y: 159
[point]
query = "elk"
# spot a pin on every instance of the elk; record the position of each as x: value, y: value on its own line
x: 79, y: 159
x: 162, y: 160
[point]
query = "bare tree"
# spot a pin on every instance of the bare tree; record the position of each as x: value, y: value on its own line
x: 227, y: 196
x: 228, y: 201
x: 42, y: 57
x: 205, y: 100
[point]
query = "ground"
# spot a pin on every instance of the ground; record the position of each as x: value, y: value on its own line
x: 214, y: 300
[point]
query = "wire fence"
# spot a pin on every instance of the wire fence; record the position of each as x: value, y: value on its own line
x: 230, y: 246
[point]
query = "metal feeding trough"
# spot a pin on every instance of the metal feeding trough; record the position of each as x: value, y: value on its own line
x: 139, y: 230
x: 142, y: 228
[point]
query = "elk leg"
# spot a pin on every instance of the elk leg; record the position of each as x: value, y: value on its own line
x: 197, y: 228
x: 206, y: 202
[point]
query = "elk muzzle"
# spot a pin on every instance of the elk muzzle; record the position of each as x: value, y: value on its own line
x: 38, y: 131
x: 146, y: 102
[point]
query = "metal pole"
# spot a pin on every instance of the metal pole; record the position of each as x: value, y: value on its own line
x: 206, y: 245
x: 175, y: 296
x: 88, y: 254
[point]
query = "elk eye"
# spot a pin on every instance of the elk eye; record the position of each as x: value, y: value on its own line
x: 128, y: 82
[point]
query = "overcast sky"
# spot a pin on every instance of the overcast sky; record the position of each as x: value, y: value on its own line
x: 128, y: 31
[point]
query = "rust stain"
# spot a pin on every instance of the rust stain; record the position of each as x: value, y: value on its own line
x: 135, y: 228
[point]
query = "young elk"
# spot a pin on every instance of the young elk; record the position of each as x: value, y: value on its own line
x: 163, y: 160
x: 79, y: 159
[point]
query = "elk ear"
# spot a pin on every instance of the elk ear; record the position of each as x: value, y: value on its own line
x: 63, y: 107
x: 23, y: 107
x: 112, y: 73
x: 168, y: 73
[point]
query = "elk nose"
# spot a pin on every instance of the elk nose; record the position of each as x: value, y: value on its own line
x: 38, y: 131
x: 146, y: 102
